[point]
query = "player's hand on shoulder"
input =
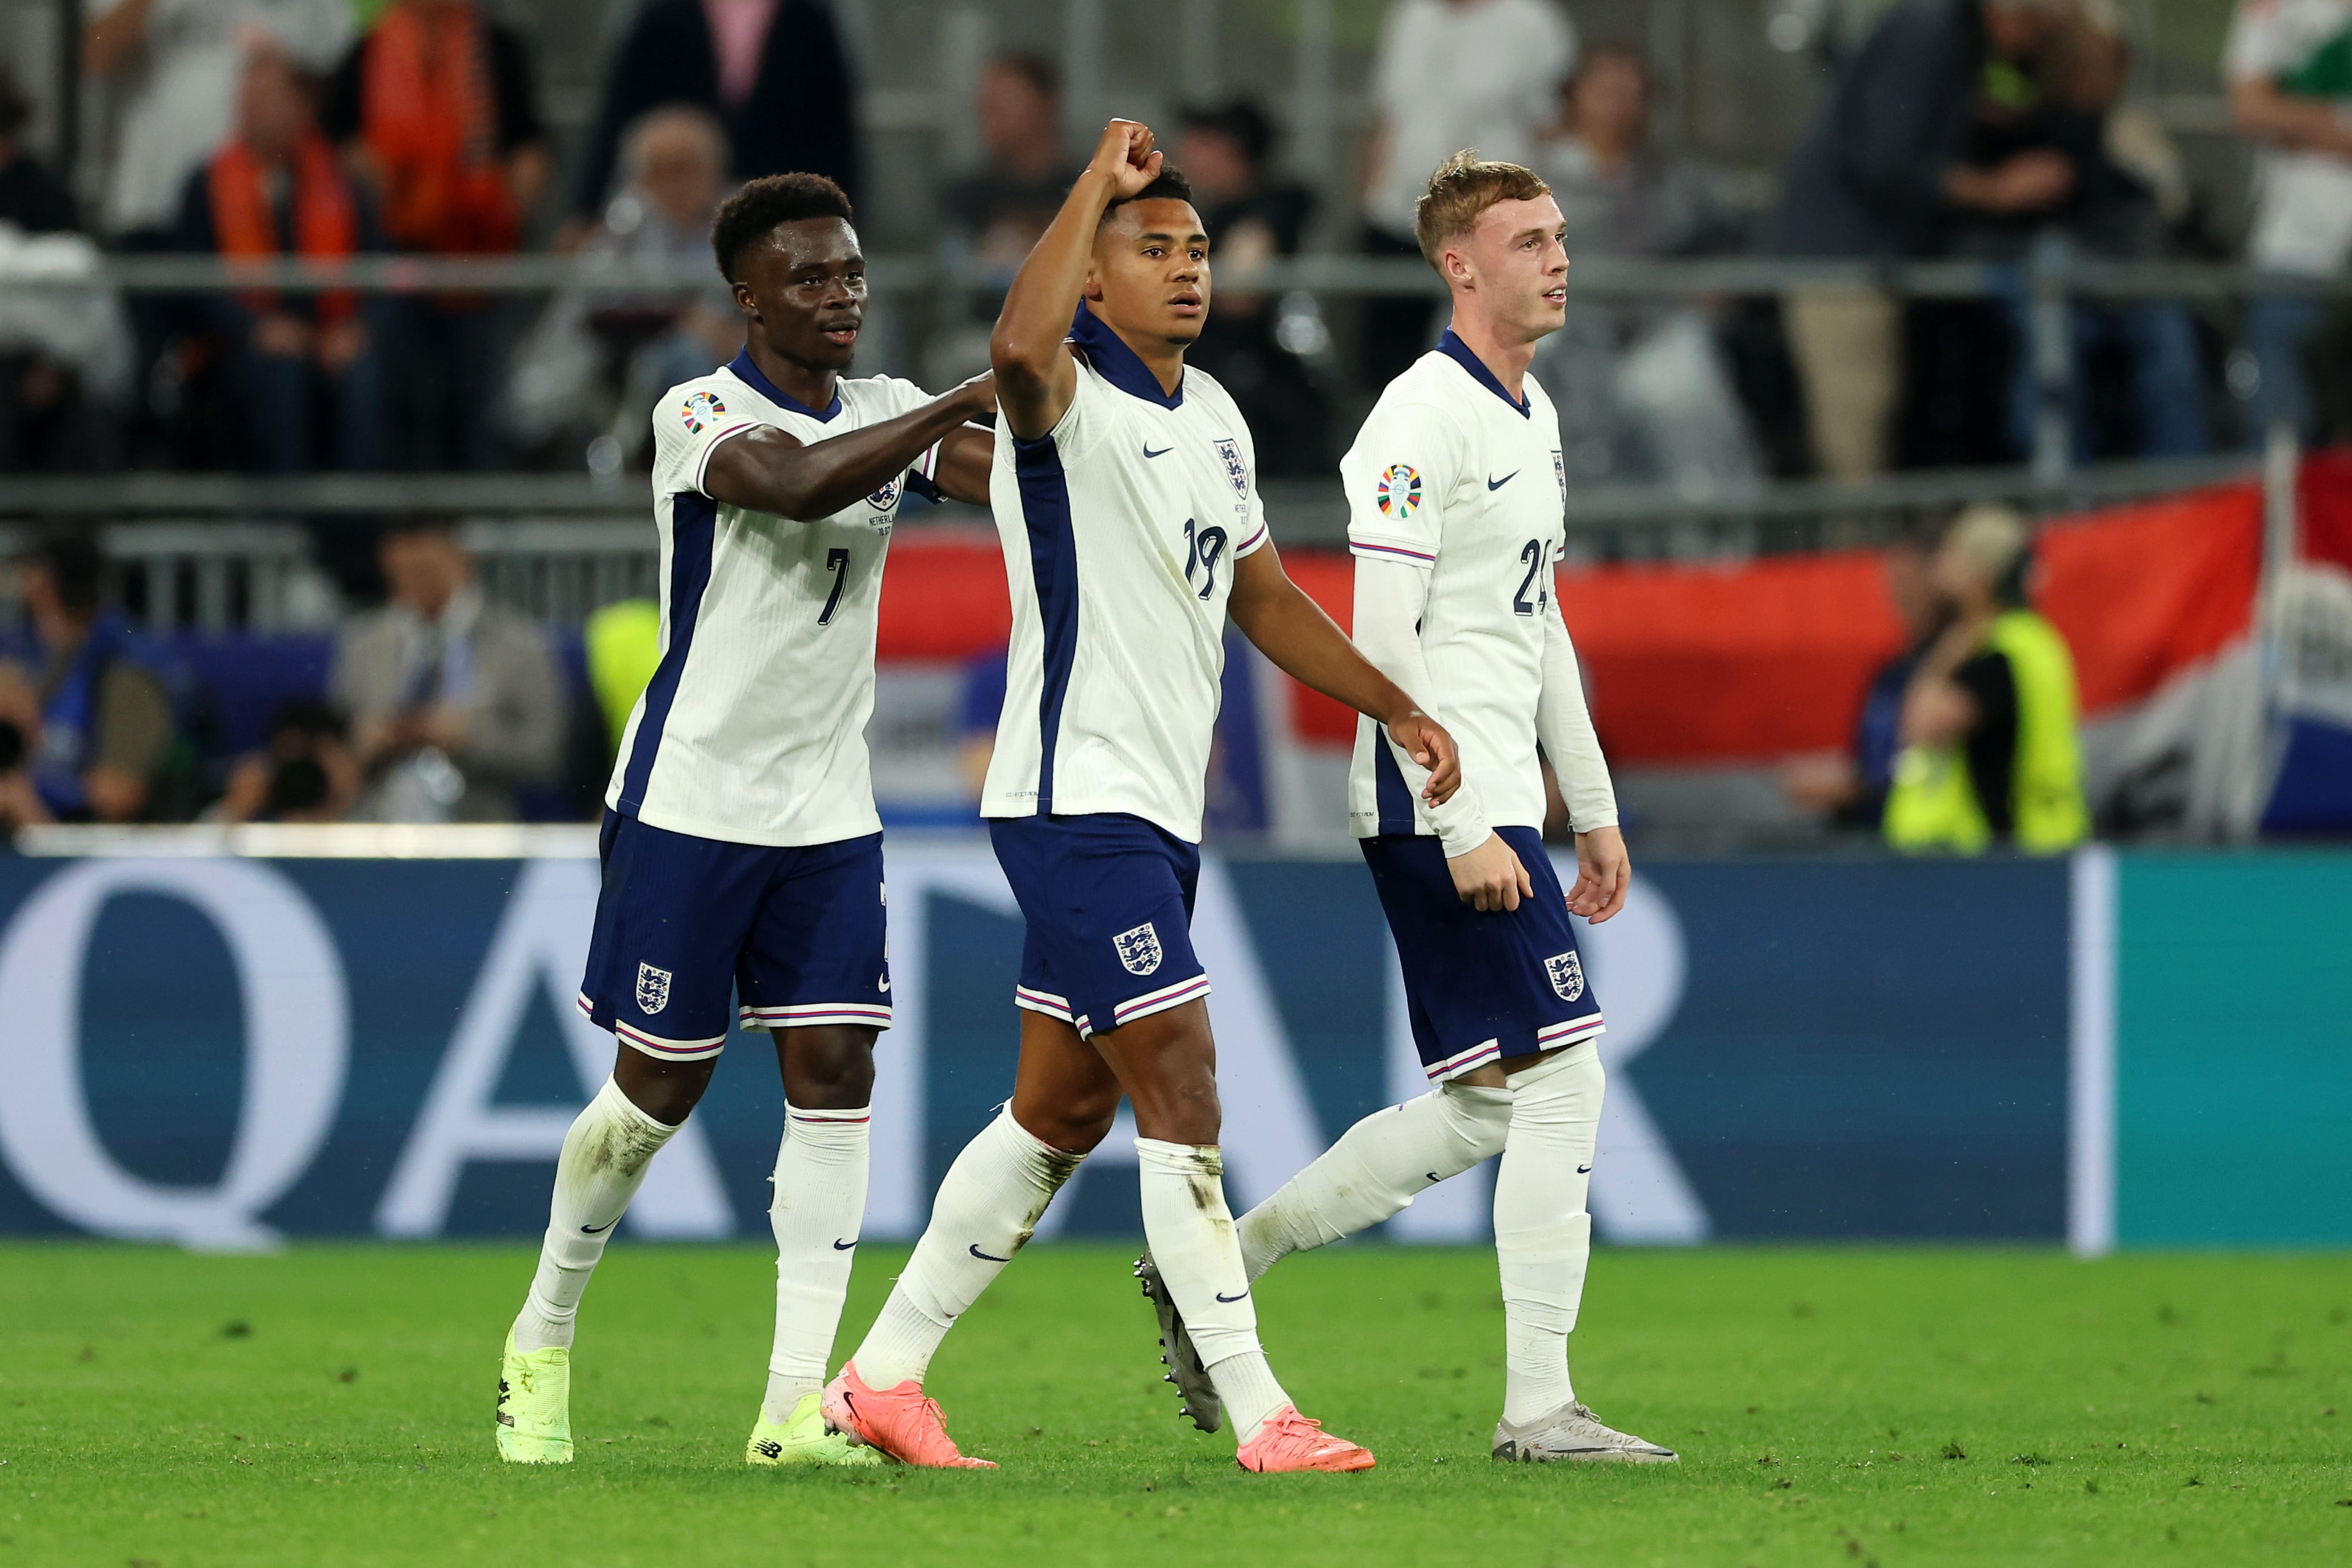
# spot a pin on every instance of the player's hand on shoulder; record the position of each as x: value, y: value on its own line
x: 1427, y: 742
x: 977, y: 396
x: 1604, y: 873
x: 1491, y: 877
x: 1125, y: 154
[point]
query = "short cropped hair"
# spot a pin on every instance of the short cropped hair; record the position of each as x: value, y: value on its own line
x: 745, y: 217
x: 1170, y: 186
x: 1464, y: 186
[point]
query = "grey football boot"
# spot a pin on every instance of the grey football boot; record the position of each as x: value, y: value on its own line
x: 1183, y: 1363
x: 1575, y: 1434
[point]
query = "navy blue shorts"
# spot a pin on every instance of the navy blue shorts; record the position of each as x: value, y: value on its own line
x: 1480, y: 987
x: 681, y: 922
x: 1108, y: 899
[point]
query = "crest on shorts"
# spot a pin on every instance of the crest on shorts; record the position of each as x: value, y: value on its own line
x: 1399, y: 492
x: 653, y: 988
x: 699, y: 409
x: 1559, y: 472
x: 1566, y: 971
x: 1138, y: 950
x: 1232, y: 454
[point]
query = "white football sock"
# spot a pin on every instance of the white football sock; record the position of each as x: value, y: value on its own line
x: 1375, y: 1170
x: 1543, y: 1236
x: 820, y: 1202
x: 987, y: 1207
x: 603, y: 1165
x: 1192, y: 1236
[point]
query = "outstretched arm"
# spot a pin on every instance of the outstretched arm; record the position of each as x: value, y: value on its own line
x: 765, y: 470
x: 1035, y: 376
x: 1291, y: 629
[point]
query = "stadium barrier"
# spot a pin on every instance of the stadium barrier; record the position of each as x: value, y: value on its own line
x: 223, y: 1039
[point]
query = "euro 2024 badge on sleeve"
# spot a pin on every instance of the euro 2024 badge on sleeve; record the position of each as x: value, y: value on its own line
x: 1399, y: 492
x: 1138, y: 950
x: 1566, y: 971
x: 701, y: 409
x: 653, y: 988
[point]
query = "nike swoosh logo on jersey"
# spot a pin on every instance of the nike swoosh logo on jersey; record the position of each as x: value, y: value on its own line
x: 1162, y: 453
x: 1230, y: 1300
x: 987, y: 1256
x: 1580, y: 1170
x: 1498, y: 484
x: 599, y: 1230
x: 843, y: 1246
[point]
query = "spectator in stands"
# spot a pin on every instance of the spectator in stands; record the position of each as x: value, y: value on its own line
x: 1643, y: 388
x: 2289, y: 64
x: 1849, y: 788
x: 102, y: 724
x: 436, y: 107
x: 1990, y: 755
x: 2066, y: 108
x: 590, y: 337
x: 179, y: 60
x: 771, y: 72
x: 47, y: 421
x: 307, y: 772
x: 1877, y: 176
x: 454, y: 701
x: 1449, y: 74
x: 994, y: 213
x: 1247, y: 342
x: 301, y: 368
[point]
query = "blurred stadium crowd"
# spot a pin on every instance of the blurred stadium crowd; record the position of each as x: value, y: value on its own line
x: 1984, y: 130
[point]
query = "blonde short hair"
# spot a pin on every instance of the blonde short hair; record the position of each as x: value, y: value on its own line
x: 1464, y: 186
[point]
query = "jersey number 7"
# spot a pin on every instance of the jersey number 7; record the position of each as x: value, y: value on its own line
x: 836, y: 561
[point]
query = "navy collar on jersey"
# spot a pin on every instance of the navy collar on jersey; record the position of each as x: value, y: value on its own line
x: 1116, y: 363
x: 742, y: 366
x: 1459, y: 352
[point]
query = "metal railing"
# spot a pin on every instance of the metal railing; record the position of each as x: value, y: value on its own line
x: 562, y: 543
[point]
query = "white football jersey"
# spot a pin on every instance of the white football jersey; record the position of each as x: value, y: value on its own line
x: 753, y: 728
x: 1121, y: 527
x: 1451, y: 474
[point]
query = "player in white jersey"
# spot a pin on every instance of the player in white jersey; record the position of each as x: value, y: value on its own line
x: 1132, y: 528
x: 1456, y: 494
x: 742, y: 857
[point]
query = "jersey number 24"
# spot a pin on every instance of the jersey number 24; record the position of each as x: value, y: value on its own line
x: 1534, y: 553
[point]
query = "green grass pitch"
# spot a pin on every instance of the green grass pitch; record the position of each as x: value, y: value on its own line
x: 332, y: 1405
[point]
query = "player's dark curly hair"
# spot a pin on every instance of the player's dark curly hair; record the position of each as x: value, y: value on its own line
x: 762, y: 203
x: 1170, y: 187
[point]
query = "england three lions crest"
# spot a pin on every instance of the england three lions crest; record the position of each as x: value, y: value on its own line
x: 1235, y: 470
x: 653, y: 988
x: 1566, y: 971
x: 1138, y: 950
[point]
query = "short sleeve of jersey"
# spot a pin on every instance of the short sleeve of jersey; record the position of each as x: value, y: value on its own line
x: 1089, y: 414
x: 1397, y: 477
x: 689, y: 423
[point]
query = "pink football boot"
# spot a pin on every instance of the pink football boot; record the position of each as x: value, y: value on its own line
x: 898, y: 1421
x: 1289, y: 1441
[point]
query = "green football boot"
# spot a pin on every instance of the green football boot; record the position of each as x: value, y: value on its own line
x: 804, y: 1439
x: 535, y: 1405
